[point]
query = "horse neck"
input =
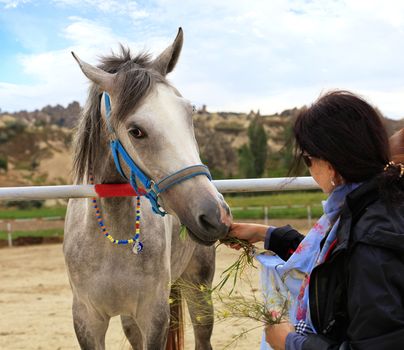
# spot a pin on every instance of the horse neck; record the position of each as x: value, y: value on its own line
x: 105, y: 172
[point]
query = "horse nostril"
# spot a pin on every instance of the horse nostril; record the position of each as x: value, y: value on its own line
x: 227, y: 209
x: 206, y: 222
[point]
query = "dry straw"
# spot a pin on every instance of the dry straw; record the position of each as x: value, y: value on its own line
x: 245, y: 259
x: 230, y: 304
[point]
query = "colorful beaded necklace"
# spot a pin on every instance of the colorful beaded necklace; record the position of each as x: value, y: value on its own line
x: 137, y: 246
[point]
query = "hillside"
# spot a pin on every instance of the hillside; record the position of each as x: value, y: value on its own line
x: 220, y: 136
x: 35, y: 146
x: 35, y: 154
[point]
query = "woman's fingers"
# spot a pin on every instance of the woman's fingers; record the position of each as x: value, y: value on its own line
x: 276, y: 334
x: 235, y: 246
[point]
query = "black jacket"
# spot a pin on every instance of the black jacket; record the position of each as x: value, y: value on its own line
x: 357, y: 295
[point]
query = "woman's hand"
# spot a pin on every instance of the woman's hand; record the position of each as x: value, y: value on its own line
x: 276, y: 334
x: 252, y: 233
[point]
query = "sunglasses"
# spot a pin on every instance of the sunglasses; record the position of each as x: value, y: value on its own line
x: 307, y: 159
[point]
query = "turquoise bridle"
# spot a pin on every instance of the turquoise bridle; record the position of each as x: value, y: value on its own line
x: 152, y: 189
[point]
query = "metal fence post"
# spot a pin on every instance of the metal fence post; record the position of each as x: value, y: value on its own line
x: 309, y: 215
x: 9, y: 233
x: 266, y: 215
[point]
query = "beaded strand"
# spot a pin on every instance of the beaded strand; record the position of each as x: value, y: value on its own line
x: 137, y: 245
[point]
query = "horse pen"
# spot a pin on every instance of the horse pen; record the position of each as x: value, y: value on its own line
x: 35, y: 296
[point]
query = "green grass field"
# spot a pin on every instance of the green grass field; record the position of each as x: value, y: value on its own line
x: 312, y: 198
x: 275, y: 213
x: 6, y: 213
x: 276, y: 199
x: 39, y: 233
x: 243, y: 206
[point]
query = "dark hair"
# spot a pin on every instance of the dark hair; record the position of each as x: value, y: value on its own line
x: 348, y: 132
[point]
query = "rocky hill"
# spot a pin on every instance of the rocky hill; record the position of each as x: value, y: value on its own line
x: 220, y: 136
x: 35, y: 146
x: 33, y: 153
x: 56, y: 115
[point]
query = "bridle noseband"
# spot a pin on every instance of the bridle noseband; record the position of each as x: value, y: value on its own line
x: 153, y: 189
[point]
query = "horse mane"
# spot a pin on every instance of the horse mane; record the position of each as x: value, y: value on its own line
x: 134, y: 80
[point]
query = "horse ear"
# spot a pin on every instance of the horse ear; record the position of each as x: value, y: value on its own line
x: 100, y: 77
x: 167, y: 60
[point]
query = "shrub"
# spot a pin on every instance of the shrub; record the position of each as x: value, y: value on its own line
x: 229, y: 127
x: 25, y: 204
x: 3, y: 163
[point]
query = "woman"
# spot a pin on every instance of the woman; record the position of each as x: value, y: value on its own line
x: 353, y: 293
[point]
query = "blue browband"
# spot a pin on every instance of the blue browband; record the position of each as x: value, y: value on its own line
x: 153, y: 189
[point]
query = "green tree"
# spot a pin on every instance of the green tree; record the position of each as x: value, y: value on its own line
x: 253, y: 156
x: 3, y: 163
x: 245, y: 163
x: 258, y: 146
x: 281, y: 161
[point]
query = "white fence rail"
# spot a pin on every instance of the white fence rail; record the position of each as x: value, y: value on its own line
x: 224, y: 186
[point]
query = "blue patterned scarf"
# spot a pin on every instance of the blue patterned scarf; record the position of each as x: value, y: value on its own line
x: 291, y: 278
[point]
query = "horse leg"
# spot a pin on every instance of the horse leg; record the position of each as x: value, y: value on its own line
x: 198, y: 278
x: 132, y: 332
x: 157, y: 326
x: 148, y: 329
x: 90, y: 326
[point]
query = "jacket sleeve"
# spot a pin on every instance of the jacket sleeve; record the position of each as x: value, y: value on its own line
x: 375, y: 292
x: 283, y: 241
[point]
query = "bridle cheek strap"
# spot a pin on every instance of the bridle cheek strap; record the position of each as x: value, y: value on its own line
x: 182, y: 175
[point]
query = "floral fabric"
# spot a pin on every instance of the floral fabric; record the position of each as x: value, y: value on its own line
x: 291, y: 279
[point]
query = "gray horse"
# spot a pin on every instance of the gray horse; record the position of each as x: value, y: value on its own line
x: 154, y: 123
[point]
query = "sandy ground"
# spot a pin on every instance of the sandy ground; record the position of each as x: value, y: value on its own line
x: 35, y: 303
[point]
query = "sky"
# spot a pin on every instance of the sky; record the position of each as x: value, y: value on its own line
x: 237, y: 56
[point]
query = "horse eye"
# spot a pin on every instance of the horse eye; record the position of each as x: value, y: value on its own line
x: 137, y: 133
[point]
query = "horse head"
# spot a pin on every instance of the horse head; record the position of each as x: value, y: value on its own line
x: 153, y: 123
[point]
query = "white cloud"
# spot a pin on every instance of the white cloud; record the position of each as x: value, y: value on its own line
x: 389, y: 101
x: 58, y: 78
x: 87, y: 33
x: 242, y: 55
x: 59, y: 81
x: 12, y: 4
x: 57, y: 75
x: 266, y: 52
x: 112, y: 7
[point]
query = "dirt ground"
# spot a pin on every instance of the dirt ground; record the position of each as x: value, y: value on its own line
x: 35, y: 302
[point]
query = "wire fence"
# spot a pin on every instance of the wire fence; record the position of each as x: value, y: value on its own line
x: 266, y: 212
x: 10, y: 224
x: 262, y: 213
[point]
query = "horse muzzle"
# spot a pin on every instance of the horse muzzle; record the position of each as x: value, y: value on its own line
x: 201, y: 208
